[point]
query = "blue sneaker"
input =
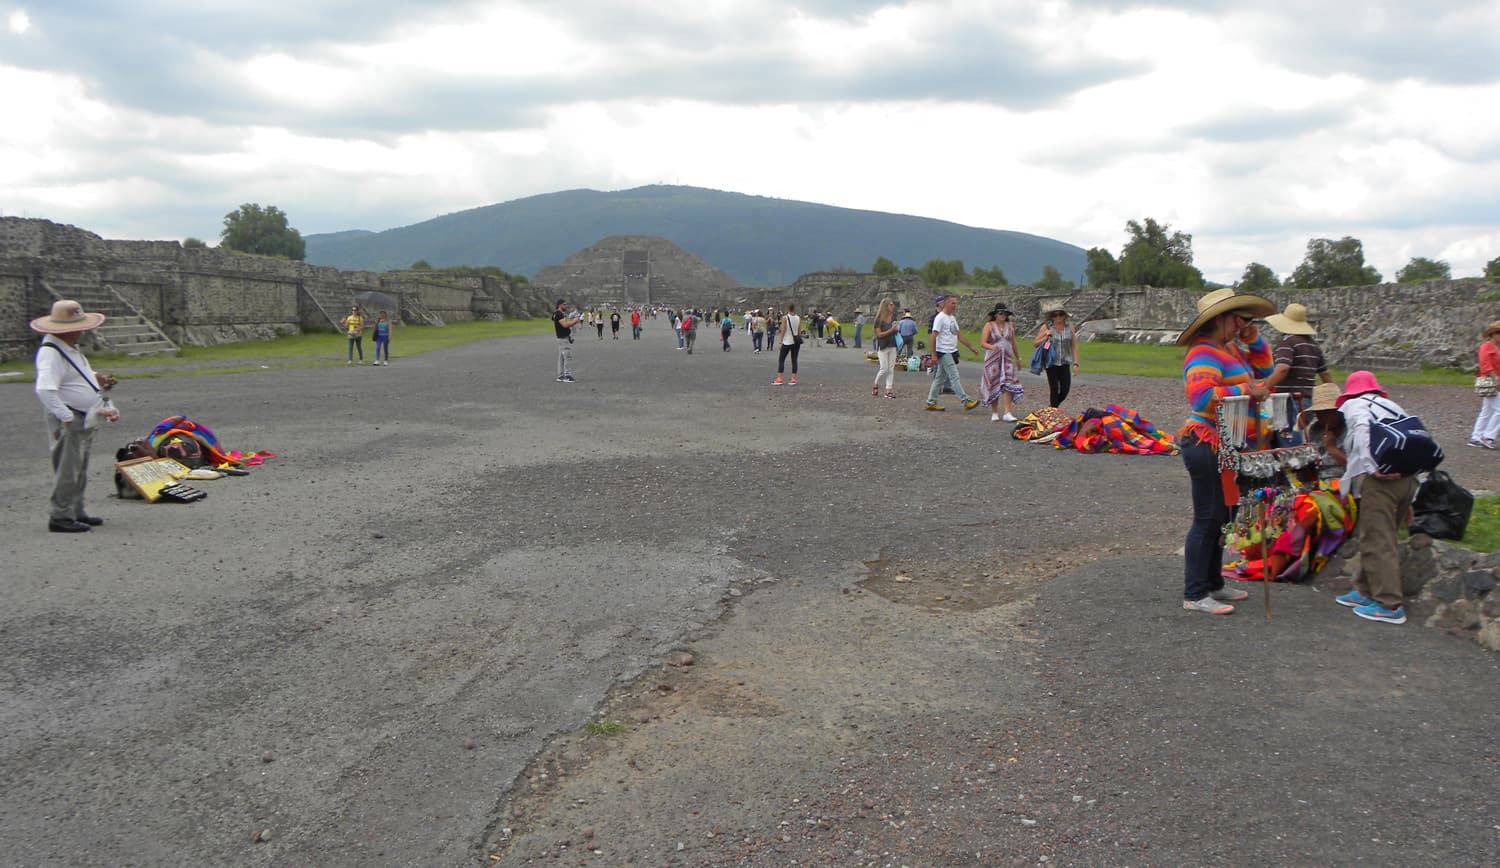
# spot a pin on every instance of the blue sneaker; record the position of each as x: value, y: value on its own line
x: 1354, y: 599
x: 1377, y: 612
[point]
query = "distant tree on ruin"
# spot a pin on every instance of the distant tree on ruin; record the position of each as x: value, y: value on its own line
x: 1258, y: 278
x: 1421, y: 268
x: 1334, y: 263
x: 193, y: 244
x: 252, y: 228
x: 943, y: 272
x: 1052, y: 279
x: 883, y: 267
x: 1492, y: 268
x: 420, y: 265
x: 1155, y: 257
x: 1103, y: 269
x: 992, y: 276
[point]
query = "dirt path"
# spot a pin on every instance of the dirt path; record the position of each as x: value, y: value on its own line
x: 912, y: 640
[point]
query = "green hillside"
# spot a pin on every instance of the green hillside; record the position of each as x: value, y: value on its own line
x: 758, y: 241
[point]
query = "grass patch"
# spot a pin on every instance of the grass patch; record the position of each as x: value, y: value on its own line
x: 605, y: 726
x: 308, y: 350
x: 1483, y: 532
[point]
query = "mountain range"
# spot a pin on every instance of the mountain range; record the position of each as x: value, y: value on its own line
x: 757, y: 240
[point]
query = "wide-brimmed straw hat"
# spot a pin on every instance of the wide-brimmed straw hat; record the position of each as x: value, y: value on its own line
x: 1293, y: 321
x: 67, y: 316
x: 1490, y: 330
x: 1325, y: 396
x: 1359, y: 383
x: 1223, y: 301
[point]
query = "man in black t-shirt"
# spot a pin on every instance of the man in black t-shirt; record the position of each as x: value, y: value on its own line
x: 614, y: 324
x: 562, y: 323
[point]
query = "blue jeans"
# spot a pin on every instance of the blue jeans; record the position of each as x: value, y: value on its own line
x: 948, y: 371
x: 1203, y: 553
x: 858, y: 333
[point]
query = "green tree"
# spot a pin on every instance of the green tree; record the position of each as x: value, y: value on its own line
x: 1051, y: 279
x: 1153, y: 257
x: 1333, y: 263
x: 1492, y: 268
x: 263, y: 230
x: 1421, y: 268
x: 943, y: 272
x: 193, y: 244
x: 1103, y: 269
x: 420, y: 265
x: 1258, y: 278
x: 883, y: 267
x: 992, y: 276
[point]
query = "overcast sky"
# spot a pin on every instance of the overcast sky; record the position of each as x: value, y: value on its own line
x: 1252, y: 126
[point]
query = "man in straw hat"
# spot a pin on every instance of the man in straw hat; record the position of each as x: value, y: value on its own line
x: 1383, y: 499
x: 1298, y: 360
x: 1487, y: 425
x: 1226, y: 357
x: 70, y: 391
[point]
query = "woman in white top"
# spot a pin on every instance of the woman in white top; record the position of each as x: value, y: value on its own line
x: 791, y: 342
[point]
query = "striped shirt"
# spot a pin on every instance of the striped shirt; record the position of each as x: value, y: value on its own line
x: 1305, y: 358
x: 1212, y: 372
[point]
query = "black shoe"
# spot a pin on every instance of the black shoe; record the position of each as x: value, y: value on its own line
x: 90, y: 520
x: 66, y: 525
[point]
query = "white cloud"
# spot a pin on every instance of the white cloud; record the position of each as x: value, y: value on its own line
x: 1253, y: 128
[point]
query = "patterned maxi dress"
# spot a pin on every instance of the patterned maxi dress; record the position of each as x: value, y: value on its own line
x: 1000, y: 371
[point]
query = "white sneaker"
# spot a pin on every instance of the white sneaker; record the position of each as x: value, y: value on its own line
x: 1009, y: 418
x: 1208, y: 605
x: 994, y: 417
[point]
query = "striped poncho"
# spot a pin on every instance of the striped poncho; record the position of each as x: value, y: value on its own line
x: 1212, y: 372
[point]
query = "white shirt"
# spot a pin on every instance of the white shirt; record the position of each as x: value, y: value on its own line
x: 59, y: 386
x: 791, y: 325
x: 947, y: 333
x: 1358, y: 412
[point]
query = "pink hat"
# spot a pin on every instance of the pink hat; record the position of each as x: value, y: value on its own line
x: 1359, y: 383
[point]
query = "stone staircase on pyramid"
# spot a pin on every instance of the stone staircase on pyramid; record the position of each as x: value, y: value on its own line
x: 1090, y: 304
x: 126, y: 330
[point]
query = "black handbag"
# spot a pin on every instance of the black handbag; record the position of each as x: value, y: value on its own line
x: 1442, y: 507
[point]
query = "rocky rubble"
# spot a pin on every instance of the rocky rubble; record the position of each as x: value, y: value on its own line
x: 1448, y: 587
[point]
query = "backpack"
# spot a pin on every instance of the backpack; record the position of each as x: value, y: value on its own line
x: 1403, y: 445
x: 687, y: 323
x: 183, y: 450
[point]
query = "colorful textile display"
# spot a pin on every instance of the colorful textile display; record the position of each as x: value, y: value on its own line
x: 1115, y: 429
x: 1042, y: 425
x: 1306, y: 535
x: 181, y: 426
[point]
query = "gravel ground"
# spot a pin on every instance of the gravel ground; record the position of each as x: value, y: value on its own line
x: 808, y: 626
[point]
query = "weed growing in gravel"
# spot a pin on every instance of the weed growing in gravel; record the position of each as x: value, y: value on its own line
x: 605, y: 726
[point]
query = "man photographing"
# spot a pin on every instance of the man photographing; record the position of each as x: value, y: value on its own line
x: 562, y: 323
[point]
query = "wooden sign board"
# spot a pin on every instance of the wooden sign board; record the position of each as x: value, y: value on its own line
x: 149, y: 476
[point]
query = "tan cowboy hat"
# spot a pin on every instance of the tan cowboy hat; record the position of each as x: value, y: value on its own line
x: 67, y: 316
x: 1293, y: 321
x: 1490, y: 330
x: 1223, y: 301
x: 1325, y: 397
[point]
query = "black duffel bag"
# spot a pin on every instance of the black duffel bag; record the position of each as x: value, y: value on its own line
x: 1441, y: 508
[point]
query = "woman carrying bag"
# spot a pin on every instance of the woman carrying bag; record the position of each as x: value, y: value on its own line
x: 1488, y: 423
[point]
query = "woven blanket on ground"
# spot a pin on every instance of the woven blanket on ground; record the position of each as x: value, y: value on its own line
x: 1042, y: 425
x: 181, y: 426
x: 1319, y: 523
x: 1116, y: 429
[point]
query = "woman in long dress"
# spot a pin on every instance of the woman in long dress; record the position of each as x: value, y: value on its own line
x: 1001, y: 379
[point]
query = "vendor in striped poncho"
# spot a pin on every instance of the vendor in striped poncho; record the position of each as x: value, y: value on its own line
x: 1226, y: 357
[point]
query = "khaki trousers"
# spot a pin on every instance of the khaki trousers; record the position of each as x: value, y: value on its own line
x: 1382, y: 505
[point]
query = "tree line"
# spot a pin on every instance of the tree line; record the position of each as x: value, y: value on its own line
x: 1154, y: 255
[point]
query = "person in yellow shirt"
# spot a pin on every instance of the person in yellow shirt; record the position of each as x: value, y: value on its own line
x: 354, y: 326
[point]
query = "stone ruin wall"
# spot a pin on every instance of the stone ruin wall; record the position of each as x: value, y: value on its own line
x: 206, y: 296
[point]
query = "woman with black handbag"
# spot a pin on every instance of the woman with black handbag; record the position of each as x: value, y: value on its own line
x: 791, y: 342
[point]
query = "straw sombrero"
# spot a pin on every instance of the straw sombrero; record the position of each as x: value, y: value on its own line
x: 1490, y: 330
x: 1293, y: 321
x: 1223, y: 301
x: 67, y: 316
